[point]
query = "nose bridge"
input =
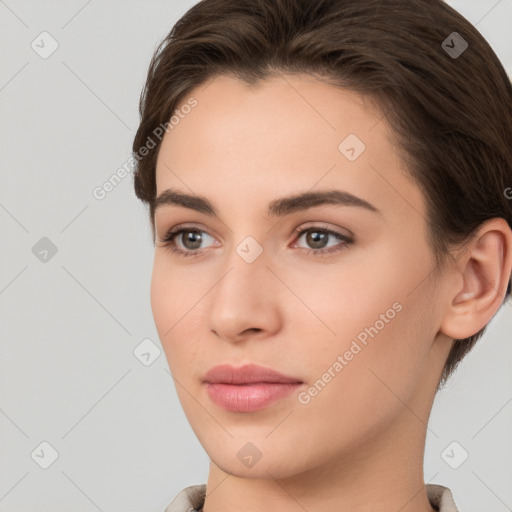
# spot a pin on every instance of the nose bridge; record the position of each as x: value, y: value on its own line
x: 246, y: 266
x: 240, y: 300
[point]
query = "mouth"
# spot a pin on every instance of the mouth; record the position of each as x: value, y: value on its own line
x: 249, y: 397
x: 248, y: 388
x: 247, y: 374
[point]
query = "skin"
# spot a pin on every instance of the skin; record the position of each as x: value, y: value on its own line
x: 359, y: 443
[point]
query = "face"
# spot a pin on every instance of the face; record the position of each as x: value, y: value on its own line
x: 337, y: 295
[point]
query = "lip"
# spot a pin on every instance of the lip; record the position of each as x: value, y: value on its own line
x: 248, y: 397
x: 247, y: 374
x: 248, y: 388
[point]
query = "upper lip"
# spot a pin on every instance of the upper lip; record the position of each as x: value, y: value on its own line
x: 249, y: 373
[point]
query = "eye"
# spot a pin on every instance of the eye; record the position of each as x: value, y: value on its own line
x: 191, y: 242
x: 317, y: 237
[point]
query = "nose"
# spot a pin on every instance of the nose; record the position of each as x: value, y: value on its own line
x: 245, y: 302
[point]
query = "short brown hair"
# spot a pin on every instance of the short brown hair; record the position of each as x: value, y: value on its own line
x: 451, y: 114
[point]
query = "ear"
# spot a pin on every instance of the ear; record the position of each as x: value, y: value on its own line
x: 484, y: 267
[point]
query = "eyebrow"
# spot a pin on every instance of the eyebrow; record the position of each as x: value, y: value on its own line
x: 276, y: 208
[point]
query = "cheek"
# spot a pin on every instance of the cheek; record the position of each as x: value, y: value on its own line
x: 371, y: 385
x: 160, y: 301
x: 378, y: 316
x: 164, y: 305
x: 172, y: 293
x: 175, y: 304
x: 345, y: 297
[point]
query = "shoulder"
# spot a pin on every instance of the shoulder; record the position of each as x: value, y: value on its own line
x: 441, y: 498
x: 189, y: 499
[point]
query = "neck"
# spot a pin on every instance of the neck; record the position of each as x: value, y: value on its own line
x: 385, y: 474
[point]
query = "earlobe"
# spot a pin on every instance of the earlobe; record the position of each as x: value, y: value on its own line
x: 485, y: 265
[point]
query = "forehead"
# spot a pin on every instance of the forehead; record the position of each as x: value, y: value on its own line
x: 283, y: 134
x: 285, y: 109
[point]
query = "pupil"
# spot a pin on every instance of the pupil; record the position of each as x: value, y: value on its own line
x: 190, y: 238
x: 316, y: 237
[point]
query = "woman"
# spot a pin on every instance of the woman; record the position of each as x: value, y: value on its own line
x: 331, y: 207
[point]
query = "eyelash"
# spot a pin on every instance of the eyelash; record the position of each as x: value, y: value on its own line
x: 168, y: 240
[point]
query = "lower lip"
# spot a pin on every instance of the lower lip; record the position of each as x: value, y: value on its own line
x: 249, y: 397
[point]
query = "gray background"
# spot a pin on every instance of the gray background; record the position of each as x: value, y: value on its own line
x: 69, y: 326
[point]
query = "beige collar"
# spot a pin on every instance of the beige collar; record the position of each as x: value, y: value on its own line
x: 192, y: 498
